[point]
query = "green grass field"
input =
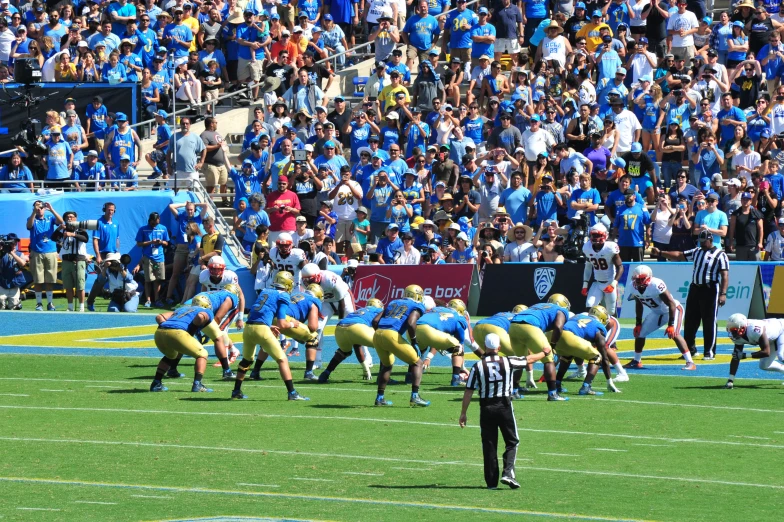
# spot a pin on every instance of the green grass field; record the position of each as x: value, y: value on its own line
x: 82, y: 439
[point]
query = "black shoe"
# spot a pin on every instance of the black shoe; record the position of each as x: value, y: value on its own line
x: 509, y: 481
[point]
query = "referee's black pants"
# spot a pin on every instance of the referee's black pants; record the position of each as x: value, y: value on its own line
x: 498, y: 414
x: 702, y: 305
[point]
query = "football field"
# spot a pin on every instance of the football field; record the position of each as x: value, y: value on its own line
x: 81, y: 438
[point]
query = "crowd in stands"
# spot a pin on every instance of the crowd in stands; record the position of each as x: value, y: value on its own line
x: 486, y: 133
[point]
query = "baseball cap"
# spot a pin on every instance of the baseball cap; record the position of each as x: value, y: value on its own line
x: 483, y: 10
x: 580, y: 5
x: 643, y: 40
x: 636, y: 147
x: 705, y: 183
x: 717, y: 179
x: 54, y: 129
x: 92, y: 153
x: 747, y: 195
x: 162, y: 113
x: 381, y: 65
x: 621, y: 70
x: 712, y: 52
x: 120, y: 116
x: 125, y: 157
x: 596, y: 14
x: 734, y: 182
x: 329, y: 143
x: 607, y: 38
x: 704, y: 236
x: 712, y: 195
x: 328, y: 17
x: 361, y: 209
x: 392, y: 226
x: 765, y: 133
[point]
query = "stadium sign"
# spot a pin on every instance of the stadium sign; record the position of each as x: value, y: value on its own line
x: 388, y: 282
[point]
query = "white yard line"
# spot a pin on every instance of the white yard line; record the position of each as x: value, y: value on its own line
x: 312, y: 479
x: 652, y: 445
x: 257, y: 485
x: 680, y: 405
x: 54, y: 391
x: 748, y: 437
x: 363, y: 474
x: 609, y: 449
x: 560, y: 455
x: 14, y: 394
x: 95, y: 502
x: 158, y: 497
x: 36, y: 509
x: 413, y: 469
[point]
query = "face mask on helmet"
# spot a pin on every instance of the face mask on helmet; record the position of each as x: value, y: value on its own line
x: 285, y: 246
x: 217, y: 270
x: 641, y: 282
x: 598, y: 238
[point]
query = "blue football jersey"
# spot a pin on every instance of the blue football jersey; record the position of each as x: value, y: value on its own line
x: 445, y: 320
x: 301, y: 304
x: 270, y: 304
x: 501, y: 320
x: 542, y: 316
x: 585, y: 326
x: 181, y: 320
x: 217, y: 297
x: 396, y: 314
x: 363, y: 316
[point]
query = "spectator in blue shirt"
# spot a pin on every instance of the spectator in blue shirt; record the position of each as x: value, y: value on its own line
x: 153, y: 239
x: 729, y: 117
x: 547, y: 201
x: 420, y: 34
x: 43, y: 251
x: 707, y: 157
x: 585, y: 198
x: 630, y: 228
x: 516, y: 198
x: 17, y: 172
x: 59, y: 157
x: 711, y: 219
x: 482, y: 37
x: 389, y: 244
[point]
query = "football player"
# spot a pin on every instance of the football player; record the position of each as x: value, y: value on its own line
x: 225, y: 305
x: 398, y: 318
x: 527, y: 335
x: 306, y: 309
x: 285, y: 257
x: 499, y: 324
x: 613, y: 331
x: 175, y: 338
x: 445, y: 329
x: 216, y: 277
x: 337, y: 300
x: 762, y: 333
x: 268, y: 315
x: 584, y: 336
x: 353, y: 332
x: 603, y: 259
x: 651, y: 293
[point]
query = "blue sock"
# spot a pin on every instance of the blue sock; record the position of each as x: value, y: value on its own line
x: 379, y: 397
x: 551, y: 392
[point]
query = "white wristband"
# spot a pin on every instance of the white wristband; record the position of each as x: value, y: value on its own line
x: 429, y: 357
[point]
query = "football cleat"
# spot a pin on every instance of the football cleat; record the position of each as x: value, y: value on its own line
x: 622, y: 377
x: 556, y: 397
x: 456, y: 381
x: 579, y: 374
x: 255, y: 376
x: 509, y: 481
x: 517, y: 395
x: 157, y: 386
x: 228, y: 375
x: 91, y: 307
x: 237, y: 394
x: 294, y: 352
x: 611, y: 387
x: 50, y: 308
x: 729, y: 385
x: 708, y: 358
x: 174, y: 374
x: 39, y: 307
x: 587, y: 390
x: 324, y: 377
x: 310, y: 376
x: 690, y: 366
x: 199, y: 387
x: 294, y: 396
x: 634, y: 365
x: 382, y: 402
x: 416, y: 400
x: 561, y: 389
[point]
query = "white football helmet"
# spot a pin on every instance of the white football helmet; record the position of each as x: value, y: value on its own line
x: 285, y: 243
x: 311, y: 273
x: 641, y: 277
x: 429, y: 303
x: 216, y: 266
x: 598, y: 234
x: 736, y: 326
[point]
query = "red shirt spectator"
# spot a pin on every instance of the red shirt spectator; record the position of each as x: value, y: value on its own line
x: 283, y: 208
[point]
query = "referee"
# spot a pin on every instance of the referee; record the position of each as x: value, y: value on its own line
x: 707, y: 292
x: 493, y: 376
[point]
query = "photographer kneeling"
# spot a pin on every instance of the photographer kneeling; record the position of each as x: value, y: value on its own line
x: 122, y: 286
x: 11, y: 276
x: 74, y: 255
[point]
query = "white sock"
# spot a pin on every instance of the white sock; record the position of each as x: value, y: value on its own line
x: 638, y: 356
x: 49, y: 297
x: 81, y: 307
x: 776, y: 366
x: 731, y: 377
x: 687, y: 356
x: 38, y: 297
x: 619, y: 367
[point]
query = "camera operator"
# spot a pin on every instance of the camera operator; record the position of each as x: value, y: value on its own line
x: 578, y: 230
x: 43, y: 251
x: 262, y: 267
x: 74, y: 255
x: 431, y: 255
x: 122, y: 286
x: 11, y: 276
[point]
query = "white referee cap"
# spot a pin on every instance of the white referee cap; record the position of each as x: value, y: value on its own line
x: 492, y: 341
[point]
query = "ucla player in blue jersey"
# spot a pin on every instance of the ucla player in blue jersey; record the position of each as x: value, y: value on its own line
x: 400, y: 317
x: 303, y: 321
x: 352, y: 333
x: 499, y: 324
x: 445, y: 329
x: 268, y: 315
x: 584, y: 336
x: 225, y: 305
x: 527, y: 335
x: 175, y: 338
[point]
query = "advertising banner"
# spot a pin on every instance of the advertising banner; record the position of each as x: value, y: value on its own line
x: 387, y: 282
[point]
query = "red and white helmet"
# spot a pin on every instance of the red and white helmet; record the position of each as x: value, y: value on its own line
x: 598, y: 234
x: 285, y: 243
x: 641, y: 277
x: 311, y: 273
x: 216, y: 266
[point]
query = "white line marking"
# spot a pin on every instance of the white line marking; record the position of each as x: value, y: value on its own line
x: 312, y: 479
x: 375, y: 420
x: 748, y: 437
x: 54, y: 391
x: 153, y: 496
x: 14, y: 394
x: 264, y: 494
x: 93, y: 502
x: 257, y: 485
x: 413, y: 469
x: 652, y: 445
x: 560, y: 455
x: 36, y: 509
x: 100, y: 386
x: 363, y: 474
x: 609, y: 449
x: 706, y: 406
x: 227, y: 449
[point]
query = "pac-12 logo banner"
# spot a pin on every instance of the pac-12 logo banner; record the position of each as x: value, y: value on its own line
x: 388, y: 282
x: 543, y: 281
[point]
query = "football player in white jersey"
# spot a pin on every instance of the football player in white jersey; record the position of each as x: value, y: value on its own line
x: 337, y: 300
x: 285, y: 257
x: 216, y: 277
x: 762, y: 333
x: 651, y: 293
x: 603, y: 259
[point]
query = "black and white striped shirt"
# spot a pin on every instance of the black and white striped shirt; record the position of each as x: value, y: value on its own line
x: 707, y: 264
x: 492, y: 376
